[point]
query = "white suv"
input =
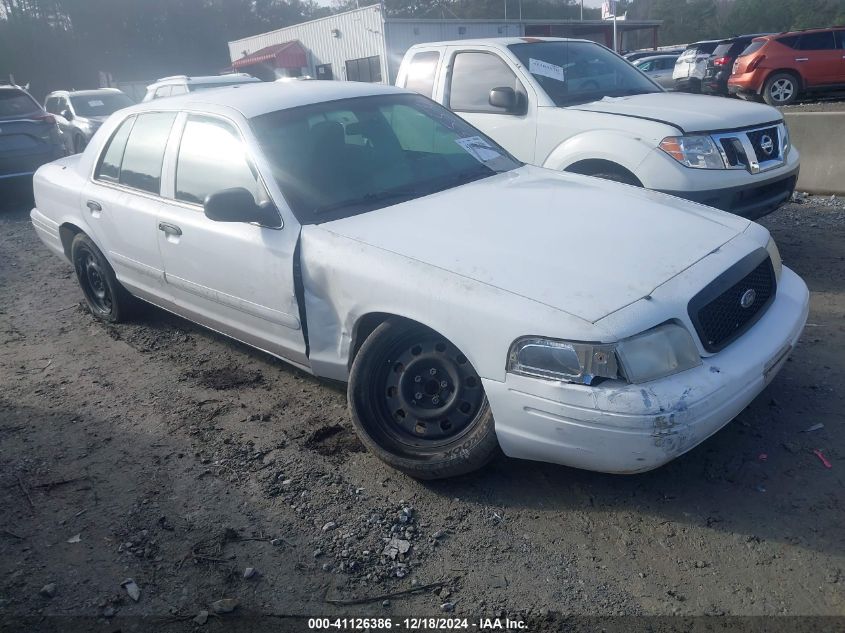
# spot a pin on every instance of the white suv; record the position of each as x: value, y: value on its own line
x: 573, y: 105
x: 182, y: 84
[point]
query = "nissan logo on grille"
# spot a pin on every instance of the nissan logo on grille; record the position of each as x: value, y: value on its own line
x: 748, y: 298
x: 768, y: 146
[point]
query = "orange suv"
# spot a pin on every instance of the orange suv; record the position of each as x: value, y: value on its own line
x: 780, y: 67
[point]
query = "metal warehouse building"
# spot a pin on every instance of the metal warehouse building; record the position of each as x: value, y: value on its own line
x: 364, y: 45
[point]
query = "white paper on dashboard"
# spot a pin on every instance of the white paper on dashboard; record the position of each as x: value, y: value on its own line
x: 478, y: 148
x: 545, y: 69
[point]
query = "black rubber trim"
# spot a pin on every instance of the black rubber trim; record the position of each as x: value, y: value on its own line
x: 299, y: 292
x: 720, y: 285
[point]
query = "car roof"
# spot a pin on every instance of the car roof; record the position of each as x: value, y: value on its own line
x: 702, y: 42
x: 650, y: 57
x: 83, y: 93
x: 750, y: 36
x: 499, y: 41
x: 204, y: 79
x: 255, y: 99
x: 772, y: 36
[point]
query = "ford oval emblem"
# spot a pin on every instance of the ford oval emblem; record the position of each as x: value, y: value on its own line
x: 767, y: 145
x: 748, y: 298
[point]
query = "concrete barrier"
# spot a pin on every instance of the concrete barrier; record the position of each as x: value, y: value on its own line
x: 820, y: 137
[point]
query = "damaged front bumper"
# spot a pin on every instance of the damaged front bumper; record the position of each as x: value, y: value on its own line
x: 617, y: 427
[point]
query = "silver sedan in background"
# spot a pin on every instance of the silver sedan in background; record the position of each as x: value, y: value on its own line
x: 658, y: 68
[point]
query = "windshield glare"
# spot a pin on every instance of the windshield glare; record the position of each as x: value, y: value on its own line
x: 580, y: 72
x: 99, y: 104
x: 341, y: 158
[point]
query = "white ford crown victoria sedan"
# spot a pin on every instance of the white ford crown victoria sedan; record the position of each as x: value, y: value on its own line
x: 367, y: 234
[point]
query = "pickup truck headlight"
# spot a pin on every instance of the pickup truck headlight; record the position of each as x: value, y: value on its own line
x: 656, y: 353
x: 699, y: 152
x: 562, y: 360
x: 774, y: 254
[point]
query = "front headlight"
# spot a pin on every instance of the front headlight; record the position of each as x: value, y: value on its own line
x: 699, y: 152
x: 661, y: 351
x: 656, y: 353
x: 562, y: 360
x: 774, y: 254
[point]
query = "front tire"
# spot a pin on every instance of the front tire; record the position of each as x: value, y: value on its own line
x: 106, y: 298
x: 781, y: 89
x: 419, y: 405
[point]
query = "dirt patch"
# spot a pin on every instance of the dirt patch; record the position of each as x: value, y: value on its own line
x: 333, y: 440
x: 223, y: 378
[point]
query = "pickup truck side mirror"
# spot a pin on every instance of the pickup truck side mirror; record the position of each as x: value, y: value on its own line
x: 505, y: 98
x: 238, y: 205
x: 67, y: 114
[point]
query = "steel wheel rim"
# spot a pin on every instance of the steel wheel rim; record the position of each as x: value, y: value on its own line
x: 429, y: 394
x: 782, y: 90
x: 93, y: 281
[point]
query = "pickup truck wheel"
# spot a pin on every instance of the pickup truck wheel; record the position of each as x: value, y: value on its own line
x: 418, y: 404
x: 781, y: 89
x: 106, y: 298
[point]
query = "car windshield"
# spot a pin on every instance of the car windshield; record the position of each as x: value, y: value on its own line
x: 17, y: 103
x: 99, y: 104
x: 580, y: 72
x: 341, y: 158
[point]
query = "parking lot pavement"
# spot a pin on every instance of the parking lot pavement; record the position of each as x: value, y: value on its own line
x: 161, y: 452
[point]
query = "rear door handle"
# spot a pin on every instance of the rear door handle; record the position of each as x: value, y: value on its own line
x: 802, y: 59
x: 169, y: 229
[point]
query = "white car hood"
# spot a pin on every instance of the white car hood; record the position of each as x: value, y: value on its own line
x: 578, y: 244
x: 690, y: 113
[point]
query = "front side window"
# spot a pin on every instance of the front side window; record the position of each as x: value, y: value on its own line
x: 212, y: 157
x: 342, y: 158
x: 144, y: 154
x: 163, y: 91
x: 840, y: 36
x: 420, y: 77
x: 580, y: 72
x: 112, y: 157
x: 366, y: 69
x: 823, y: 41
x: 100, y: 104
x: 474, y: 75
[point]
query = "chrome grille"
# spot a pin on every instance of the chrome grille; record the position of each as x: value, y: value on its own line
x: 749, y: 149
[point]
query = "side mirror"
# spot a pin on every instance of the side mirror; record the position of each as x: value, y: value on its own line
x: 505, y: 98
x: 238, y: 205
x: 67, y: 114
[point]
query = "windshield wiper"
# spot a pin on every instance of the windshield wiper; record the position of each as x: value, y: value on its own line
x: 371, y: 198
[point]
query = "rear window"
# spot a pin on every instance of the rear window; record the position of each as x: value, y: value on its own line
x: 17, y: 103
x: 141, y: 166
x: 723, y: 49
x: 755, y: 46
x: 420, y: 77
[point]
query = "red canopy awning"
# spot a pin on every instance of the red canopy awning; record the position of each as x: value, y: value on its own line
x: 286, y: 55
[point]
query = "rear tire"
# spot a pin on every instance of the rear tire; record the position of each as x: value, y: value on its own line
x: 417, y: 403
x: 106, y: 298
x: 781, y: 89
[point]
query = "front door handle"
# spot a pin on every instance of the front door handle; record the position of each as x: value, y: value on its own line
x: 169, y: 229
x: 802, y: 59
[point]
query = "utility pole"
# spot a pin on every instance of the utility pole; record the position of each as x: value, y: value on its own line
x: 615, y: 41
x: 582, y: 10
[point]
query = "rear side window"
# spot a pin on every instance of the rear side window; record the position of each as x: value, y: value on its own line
x: 144, y: 154
x: 474, y: 75
x: 212, y: 157
x: 178, y: 89
x: 109, y: 169
x: 755, y: 46
x: 164, y: 91
x: 420, y: 77
x: 790, y: 40
x: 840, y: 36
x: 823, y: 41
x: 17, y: 102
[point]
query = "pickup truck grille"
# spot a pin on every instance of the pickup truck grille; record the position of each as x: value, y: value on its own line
x: 755, y: 150
x: 732, y: 303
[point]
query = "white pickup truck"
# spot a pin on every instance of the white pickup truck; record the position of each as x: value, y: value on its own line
x: 575, y: 106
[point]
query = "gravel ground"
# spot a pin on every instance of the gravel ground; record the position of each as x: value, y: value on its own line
x: 162, y: 453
